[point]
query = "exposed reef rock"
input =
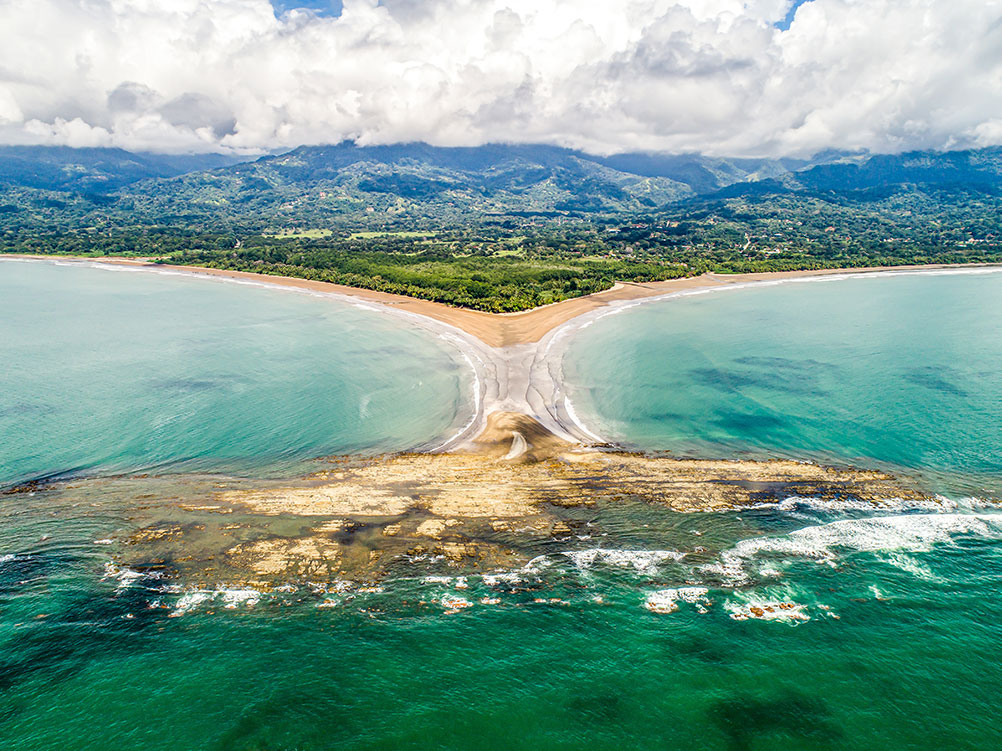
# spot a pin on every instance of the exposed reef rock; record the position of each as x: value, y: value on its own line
x: 520, y: 468
x: 519, y: 493
x: 479, y: 510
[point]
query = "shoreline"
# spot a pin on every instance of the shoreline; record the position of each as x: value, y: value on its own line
x: 516, y: 358
x: 524, y: 327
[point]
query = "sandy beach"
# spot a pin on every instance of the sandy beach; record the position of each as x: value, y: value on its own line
x: 508, y: 329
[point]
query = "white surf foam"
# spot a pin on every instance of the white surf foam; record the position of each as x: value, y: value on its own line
x: 794, y: 504
x: 126, y: 576
x: 911, y: 565
x: 455, y: 603
x: 508, y: 578
x: 571, y: 413
x: 643, y: 561
x: 234, y: 597
x: 436, y: 580
x: 477, y: 369
x: 909, y: 533
x: 229, y: 598
x: 187, y: 603
x: 666, y: 600
x: 763, y: 609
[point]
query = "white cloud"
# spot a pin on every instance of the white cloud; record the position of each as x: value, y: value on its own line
x: 714, y: 76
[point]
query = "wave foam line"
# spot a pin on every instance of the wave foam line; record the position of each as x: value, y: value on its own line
x: 571, y: 413
x: 914, y: 533
x: 642, y: 561
x: 666, y: 601
x: 477, y: 398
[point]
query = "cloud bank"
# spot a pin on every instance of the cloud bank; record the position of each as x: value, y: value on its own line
x: 713, y: 76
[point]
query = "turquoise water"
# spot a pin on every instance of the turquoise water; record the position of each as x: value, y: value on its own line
x: 108, y: 371
x: 642, y: 631
x: 888, y: 370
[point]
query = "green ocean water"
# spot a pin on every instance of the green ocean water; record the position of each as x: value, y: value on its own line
x: 635, y: 634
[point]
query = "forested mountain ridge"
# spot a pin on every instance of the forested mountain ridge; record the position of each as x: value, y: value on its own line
x: 504, y: 227
x: 348, y: 184
x: 94, y: 170
x: 972, y: 170
x: 384, y: 185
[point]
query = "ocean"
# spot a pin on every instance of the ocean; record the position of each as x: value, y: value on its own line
x: 802, y: 623
x: 888, y: 370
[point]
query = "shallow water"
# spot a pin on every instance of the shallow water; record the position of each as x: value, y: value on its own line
x: 801, y: 624
x: 885, y: 370
x: 118, y: 370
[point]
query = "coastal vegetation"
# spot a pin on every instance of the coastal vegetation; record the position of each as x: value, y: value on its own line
x: 504, y: 228
x: 490, y: 283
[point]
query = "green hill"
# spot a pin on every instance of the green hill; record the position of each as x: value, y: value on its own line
x: 60, y: 168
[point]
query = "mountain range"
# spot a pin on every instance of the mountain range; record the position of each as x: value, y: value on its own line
x: 347, y: 184
x: 97, y: 170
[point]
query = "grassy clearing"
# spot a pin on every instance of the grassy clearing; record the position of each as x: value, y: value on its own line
x: 300, y: 233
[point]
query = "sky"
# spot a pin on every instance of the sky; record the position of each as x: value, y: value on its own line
x: 719, y: 77
x: 321, y: 7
